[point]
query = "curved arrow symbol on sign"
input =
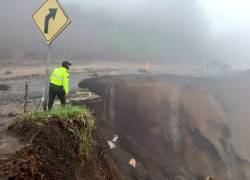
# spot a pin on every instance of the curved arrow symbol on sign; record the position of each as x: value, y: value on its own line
x: 52, y: 14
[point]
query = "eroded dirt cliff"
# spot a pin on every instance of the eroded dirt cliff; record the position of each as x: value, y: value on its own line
x: 177, y: 126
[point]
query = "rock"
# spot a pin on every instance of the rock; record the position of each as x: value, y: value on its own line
x: 178, y: 177
x: 8, y: 72
x: 12, y: 114
x: 4, y: 87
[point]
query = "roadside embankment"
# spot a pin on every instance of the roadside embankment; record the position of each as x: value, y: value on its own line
x: 61, y: 144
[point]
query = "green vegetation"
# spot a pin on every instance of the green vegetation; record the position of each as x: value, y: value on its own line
x: 76, y: 119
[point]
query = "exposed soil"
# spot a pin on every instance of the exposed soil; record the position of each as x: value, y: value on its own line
x: 101, y: 164
x: 52, y: 152
x: 176, y: 126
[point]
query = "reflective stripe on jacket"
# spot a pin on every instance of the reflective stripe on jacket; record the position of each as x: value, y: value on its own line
x: 60, y: 77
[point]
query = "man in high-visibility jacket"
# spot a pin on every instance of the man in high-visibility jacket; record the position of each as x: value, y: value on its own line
x: 59, y: 84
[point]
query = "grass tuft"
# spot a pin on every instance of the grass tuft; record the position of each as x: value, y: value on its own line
x: 78, y: 120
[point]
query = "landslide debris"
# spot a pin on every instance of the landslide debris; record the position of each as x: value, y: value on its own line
x: 61, y: 144
x: 4, y: 87
x: 176, y: 125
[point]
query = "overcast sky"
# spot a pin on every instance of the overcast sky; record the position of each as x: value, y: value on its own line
x: 225, y: 15
x: 164, y: 31
x: 228, y: 14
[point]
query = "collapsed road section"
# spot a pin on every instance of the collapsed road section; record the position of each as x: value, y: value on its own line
x: 174, y: 126
x: 157, y: 127
x: 61, y: 144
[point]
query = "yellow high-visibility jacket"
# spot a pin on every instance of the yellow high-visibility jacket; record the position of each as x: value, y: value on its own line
x: 60, y: 77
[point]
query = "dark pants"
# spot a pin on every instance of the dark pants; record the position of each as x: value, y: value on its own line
x: 54, y: 91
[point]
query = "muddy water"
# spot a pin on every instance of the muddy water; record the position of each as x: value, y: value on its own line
x: 176, y: 127
x: 174, y: 118
x: 36, y: 85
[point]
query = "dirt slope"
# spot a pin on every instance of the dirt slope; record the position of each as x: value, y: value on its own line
x: 178, y: 126
x: 58, y: 147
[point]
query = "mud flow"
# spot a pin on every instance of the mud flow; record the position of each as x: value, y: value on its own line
x: 176, y: 127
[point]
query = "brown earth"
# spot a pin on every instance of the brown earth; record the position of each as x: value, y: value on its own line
x: 52, y: 152
x: 177, y: 126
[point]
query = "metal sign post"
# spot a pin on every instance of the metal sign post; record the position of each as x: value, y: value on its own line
x: 51, y: 20
x: 46, y: 83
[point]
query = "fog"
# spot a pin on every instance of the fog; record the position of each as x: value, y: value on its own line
x: 160, y: 31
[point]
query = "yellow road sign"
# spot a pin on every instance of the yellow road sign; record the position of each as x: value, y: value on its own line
x: 51, y: 19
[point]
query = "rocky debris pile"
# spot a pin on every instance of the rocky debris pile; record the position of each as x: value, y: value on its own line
x: 62, y: 144
x: 8, y: 72
x: 4, y: 87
